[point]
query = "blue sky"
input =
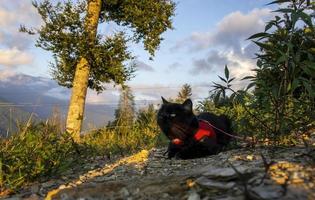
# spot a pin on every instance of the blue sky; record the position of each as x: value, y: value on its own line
x: 207, y: 35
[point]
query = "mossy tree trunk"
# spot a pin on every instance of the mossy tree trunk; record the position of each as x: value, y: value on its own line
x: 82, y: 72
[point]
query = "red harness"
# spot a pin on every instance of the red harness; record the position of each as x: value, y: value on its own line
x: 204, y: 130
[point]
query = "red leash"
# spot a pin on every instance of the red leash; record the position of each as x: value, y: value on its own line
x: 228, y: 134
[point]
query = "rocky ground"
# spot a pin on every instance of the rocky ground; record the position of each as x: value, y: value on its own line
x: 246, y: 173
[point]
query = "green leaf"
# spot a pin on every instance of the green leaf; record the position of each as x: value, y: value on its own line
x: 294, y: 18
x: 282, y: 59
x: 250, y: 86
x: 269, y: 25
x: 259, y: 35
x: 277, y: 18
x: 309, y: 89
x: 307, y: 70
x: 264, y: 45
x: 222, y: 79
x: 232, y: 96
x: 226, y: 72
x: 306, y: 18
x: 295, y: 84
x: 284, y: 10
x: 217, y: 97
x: 248, y: 77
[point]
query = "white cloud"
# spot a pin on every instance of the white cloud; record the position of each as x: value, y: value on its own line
x: 13, y: 44
x: 243, y: 66
x: 6, y: 17
x: 5, y: 75
x: 226, y: 44
x: 14, y: 57
x: 230, y: 32
x: 13, y: 14
x: 16, y: 12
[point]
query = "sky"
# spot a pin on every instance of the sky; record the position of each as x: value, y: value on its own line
x: 207, y: 35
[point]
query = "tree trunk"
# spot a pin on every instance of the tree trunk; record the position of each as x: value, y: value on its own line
x: 82, y: 72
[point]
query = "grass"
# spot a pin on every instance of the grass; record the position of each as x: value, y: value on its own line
x: 41, y: 152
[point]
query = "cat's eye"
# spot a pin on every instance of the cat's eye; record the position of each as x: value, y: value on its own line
x: 173, y: 115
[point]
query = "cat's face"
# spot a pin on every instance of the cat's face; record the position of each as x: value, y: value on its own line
x: 176, y: 120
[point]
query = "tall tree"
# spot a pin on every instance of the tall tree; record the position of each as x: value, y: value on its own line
x: 184, y: 93
x: 86, y: 59
x: 125, y: 113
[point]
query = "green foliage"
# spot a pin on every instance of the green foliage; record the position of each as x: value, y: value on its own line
x: 148, y: 19
x: 64, y: 34
x: 184, y: 93
x: 125, y: 113
x: 285, y: 76
x: 283, y: 99
x: 143, y: 133
x: 35, y: 153
x: 41, y: 151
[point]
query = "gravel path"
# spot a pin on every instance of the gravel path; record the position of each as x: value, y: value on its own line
x: 234, y: 174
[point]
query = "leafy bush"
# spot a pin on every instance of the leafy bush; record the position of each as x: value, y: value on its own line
x: 142, y: 133
x: 41, y: 151
x: 283, y: 100
x: 35, y: 153
x: 285, y: 77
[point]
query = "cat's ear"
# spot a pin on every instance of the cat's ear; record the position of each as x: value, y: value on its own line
x: 164, y: 100
x: 188, y: 105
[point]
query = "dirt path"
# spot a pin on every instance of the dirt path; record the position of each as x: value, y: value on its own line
x: 228, y: 175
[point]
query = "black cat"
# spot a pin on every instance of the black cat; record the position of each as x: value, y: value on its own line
x: 192, y: 136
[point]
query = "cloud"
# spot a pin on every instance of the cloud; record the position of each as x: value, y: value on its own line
x: 201, y: 65
x: 14, y: 45
x: 226, y: 44
x: 239, y: 64
x: 230, y: 32
x: 12, y: 15
x: 213, y: 60
x: 143, y: 66
x: 5, y: 75
x: 14, y: 57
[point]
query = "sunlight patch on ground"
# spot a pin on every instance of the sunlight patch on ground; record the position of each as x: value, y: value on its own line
x: 284, y: 173
x: 137, y: 160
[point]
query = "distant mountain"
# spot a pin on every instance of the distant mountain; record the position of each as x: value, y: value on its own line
x: 40, y: 96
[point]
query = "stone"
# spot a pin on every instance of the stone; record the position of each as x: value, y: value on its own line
x: 32, y: 197
x: 124, y: 192
x: 193, y: 196
x: 266, y: 192
x: 206, y: 182
x: 49, y: 184
x: 104, y: 178
x: 223, y: 174
x: 35, y: 188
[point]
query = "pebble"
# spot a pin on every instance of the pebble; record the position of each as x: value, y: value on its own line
x: 194, y: 196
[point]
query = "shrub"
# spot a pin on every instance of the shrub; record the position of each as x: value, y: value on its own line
x: 33, y: 154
